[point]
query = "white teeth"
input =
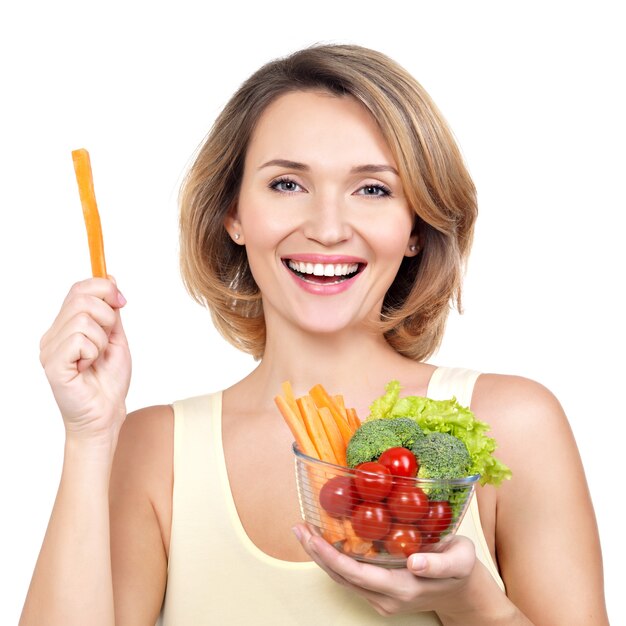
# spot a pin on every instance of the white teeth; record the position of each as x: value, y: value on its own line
x: 323, y: 269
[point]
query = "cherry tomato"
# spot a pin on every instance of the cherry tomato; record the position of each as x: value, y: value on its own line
x: 407, y: 503
x: 373, y: 481
x: 403, y: 540
x: 371, y: 520
x: 428, y: 540
x: 399, y: 462
x: 338, y: 496
x: 437, y: 518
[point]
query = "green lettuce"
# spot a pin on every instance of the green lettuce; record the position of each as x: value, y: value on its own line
x: 446, y: 416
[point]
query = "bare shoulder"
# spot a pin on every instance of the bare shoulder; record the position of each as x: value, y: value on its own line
x: 545, y: 508
x: 145, y: 445
x: 525, y: 416
x: 529, y: 425
x: 503, y: 394
x: 151, y: 425
x: 144, y: 460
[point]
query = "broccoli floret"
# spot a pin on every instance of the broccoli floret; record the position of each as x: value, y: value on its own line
x: 372, y: 438
x: 441, y: 455
x: 407, y: 429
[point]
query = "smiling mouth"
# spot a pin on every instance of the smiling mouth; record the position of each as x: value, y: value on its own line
x: 323, y: 273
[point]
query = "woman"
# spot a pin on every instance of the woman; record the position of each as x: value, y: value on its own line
x: 325, y: 223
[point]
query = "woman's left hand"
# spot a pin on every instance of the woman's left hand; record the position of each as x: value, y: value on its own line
x: 431, y: 581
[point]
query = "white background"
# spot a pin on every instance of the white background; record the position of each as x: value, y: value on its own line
x: 533, y: 91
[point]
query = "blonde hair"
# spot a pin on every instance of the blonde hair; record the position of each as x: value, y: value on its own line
x: 434, y: 177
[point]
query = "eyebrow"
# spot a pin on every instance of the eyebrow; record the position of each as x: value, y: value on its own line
x: 359, y: 169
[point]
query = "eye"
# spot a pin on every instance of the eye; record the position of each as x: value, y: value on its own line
x: 376, y: 191
x: 285, y: 185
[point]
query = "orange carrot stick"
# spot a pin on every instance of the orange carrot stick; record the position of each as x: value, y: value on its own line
x: 339, y: 402
x: 290, y: 397
x: 353, y: 419
x: 353, y: 543
x: 315, y: 428
x: 333, y: 434
x: 332, y: 528
x: 84, y: 178
x: 321, y: 398
x: 297, y: 427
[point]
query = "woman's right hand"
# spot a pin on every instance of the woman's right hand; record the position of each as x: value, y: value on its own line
x: 87, y: 361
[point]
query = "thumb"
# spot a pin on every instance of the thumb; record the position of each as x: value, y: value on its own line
x: 456, y: 561
x: 117, y: 336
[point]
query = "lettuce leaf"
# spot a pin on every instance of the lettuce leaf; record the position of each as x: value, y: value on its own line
x: 446, y: 416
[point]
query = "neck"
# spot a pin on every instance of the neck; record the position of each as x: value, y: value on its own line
x: 354, y: 363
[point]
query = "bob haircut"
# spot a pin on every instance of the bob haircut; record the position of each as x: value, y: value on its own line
x: 435, y: 180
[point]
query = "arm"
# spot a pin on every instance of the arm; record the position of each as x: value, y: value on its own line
x: 86, y: 359
x: 546, y: 535
x: 141, y: 511
x: 71, y: 583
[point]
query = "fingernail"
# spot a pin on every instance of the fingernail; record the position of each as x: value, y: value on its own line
x: 297, y: 533
x: 417, y: 563
x: 120, y: 298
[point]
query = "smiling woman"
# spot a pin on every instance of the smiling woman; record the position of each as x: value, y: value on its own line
x: 312, y: 207
x: 411, y: 148
x: 325, y: 224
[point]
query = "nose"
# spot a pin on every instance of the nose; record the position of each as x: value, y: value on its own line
x: 327, y: 221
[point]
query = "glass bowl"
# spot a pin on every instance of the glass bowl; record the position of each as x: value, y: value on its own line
x: 379, y: 520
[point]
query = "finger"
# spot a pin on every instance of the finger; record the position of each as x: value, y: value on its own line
x: 86, y: 295
x: 81, y: 323
x: 385, y: 590
x: 304, y: 535
x: 355, y: 573
x: 75, y: 304
x: 102, y: 288
x: 456, y: 561
x: 361, y: 577
x: 77, y: 352
x: 117, y: 336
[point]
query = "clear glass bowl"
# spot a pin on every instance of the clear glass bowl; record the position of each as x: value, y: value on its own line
x: 391, y: 521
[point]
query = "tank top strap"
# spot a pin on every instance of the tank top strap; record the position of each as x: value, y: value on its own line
x: 447, y: 382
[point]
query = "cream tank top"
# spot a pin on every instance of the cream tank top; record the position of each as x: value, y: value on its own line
x: 217, y: 575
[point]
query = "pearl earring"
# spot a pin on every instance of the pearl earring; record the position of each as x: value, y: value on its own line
x: 412, y: 247
x: 236, y: 236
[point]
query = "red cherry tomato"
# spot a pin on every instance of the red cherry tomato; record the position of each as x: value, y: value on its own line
x: 428, y: 541
x: 407, y: 503
x: 399, y: 462
x: 437, y: 518
x: 403, y: 540
x: 373, y: 481
x: 338, y: 496
x: 371, y: 520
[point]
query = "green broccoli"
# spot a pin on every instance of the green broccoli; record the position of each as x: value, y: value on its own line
x: 441, y: 455
x: 372, y: 438
x: 407, y: 429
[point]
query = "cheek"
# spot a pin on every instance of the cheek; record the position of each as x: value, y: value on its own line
x: 262, y: 225
x: 391, y: 237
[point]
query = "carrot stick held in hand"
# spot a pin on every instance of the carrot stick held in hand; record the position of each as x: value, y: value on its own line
x: 84, y: 178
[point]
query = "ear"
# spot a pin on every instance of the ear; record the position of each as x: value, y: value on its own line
x: 233, y: 226
x: 413, y: 246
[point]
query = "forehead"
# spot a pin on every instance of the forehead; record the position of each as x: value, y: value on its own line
x: 309, y: 125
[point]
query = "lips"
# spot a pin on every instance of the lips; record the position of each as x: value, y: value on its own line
x: 314, y: 270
